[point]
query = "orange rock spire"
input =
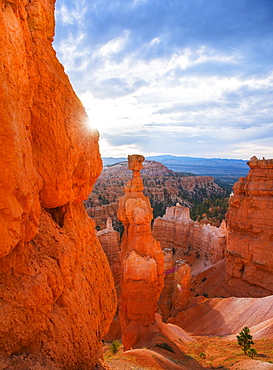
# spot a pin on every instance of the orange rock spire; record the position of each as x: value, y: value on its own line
x: 142, y: 262
x: 249, y: 268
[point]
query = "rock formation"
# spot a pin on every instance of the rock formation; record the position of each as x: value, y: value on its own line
x: 227, y: 316
x: 182, y: 278
x: 249, y: 268
x: 163, y: 187
x: 165, y: 300
x: 56, y: 288
x: 100, y: 215
x: 176, y: 230
x: 142, y: 262
x: 176, y: 292
x: 110, y: 241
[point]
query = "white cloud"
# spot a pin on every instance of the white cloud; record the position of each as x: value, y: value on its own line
x: 125, y: 92
x: 112, y: 47
x: 108, y: 150
x: 209, y: 112
x: 155, y: 41
x: 75, y: 53
x: 75, y: 13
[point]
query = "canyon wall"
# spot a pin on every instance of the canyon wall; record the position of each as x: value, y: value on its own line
x: 163, y: 187
x: 57, y: 292
x: 249, y: 267
x: 142, y: 262
x: 177, y: 231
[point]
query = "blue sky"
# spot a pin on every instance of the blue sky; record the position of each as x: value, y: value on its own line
x: 182, y: 77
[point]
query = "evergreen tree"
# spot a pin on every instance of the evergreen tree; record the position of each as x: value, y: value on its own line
x: 244, y: 339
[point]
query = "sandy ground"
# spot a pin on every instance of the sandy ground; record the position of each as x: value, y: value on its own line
x: 203, y: 353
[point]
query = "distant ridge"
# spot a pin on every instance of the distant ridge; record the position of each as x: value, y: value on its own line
x: 107, y: 161
x: 227, y: 170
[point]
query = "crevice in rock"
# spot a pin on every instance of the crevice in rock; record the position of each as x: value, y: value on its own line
x: 242, y: 270
x: 57, y: 214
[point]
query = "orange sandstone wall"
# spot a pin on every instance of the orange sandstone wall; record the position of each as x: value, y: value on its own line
x: 56, y: 288
x: 249, y: 268
x: 176, y: 230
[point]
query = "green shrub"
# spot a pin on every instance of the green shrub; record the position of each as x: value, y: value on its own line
x: 244, y: 339
x: 115, y: 346
x: 252, y: 352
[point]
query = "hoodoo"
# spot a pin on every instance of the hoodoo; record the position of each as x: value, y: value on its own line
x: 177, y: 230
x: 249, y: 268
x: 142, y: 261
x: 56, y: 288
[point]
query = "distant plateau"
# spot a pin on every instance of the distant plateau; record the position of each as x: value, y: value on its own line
x: 226, y: 170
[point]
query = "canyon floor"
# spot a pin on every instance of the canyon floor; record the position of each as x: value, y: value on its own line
x: 203, y: 353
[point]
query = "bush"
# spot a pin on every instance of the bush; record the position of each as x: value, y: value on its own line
x: 252, y: 352
x: 244, y: 339
x: 115, y: 346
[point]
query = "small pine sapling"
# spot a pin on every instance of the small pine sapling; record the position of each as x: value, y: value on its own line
x: 252, y: 352
x: 115, y: 346
x: 244, y: 339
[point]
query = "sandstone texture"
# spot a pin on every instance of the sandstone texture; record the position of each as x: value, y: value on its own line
x: 249, y: 267
x: 100, y: 215
x: 176, y: 291
x: 56, y: 288
x: 165, y: 300
x: 182, y: 278
x: 142, y: 264
x: 252, y: 365
x: 176, y: 230
x: 110, y: 242
x: 227, y: 316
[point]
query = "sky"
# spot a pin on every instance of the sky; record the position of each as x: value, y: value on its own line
x: 182, y: 77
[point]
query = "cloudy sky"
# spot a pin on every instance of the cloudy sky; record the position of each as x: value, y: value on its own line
x: 182, y: 77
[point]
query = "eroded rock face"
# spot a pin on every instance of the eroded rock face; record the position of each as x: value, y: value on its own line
x: 57, y: 292
x: 182, y: 279
x: 110, y: 241
x: 226, y: 317
x: 177, y: 230
x: 176, y: 291
x: 249, y: 268
x: 142, y: 263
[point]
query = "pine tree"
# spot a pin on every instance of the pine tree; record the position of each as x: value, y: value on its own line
x: 244, y: 339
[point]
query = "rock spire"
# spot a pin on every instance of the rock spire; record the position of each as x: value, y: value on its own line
x: 249, y: 268
x: 142, y: 261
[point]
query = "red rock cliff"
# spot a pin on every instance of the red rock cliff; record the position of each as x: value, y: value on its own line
x: 57, y: 296
x: 249, y: 268
x: 176, y: 230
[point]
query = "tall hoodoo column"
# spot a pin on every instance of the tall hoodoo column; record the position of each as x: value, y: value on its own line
x: 142, y: 261
x: 249, y: 268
